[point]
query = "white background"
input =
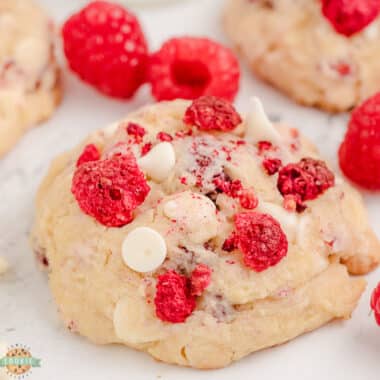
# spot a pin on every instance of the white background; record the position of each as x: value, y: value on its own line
x: 342, y: 350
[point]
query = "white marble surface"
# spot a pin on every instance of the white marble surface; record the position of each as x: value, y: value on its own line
x: 348, y: 350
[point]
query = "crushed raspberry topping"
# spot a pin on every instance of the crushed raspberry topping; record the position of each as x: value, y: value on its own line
x: 163, y: 136
x: 136, y: 131
x: 272, y: 165
x: 350, y: 16
x: 190, y: 67
x: 229, y: 244
x: 200, y: 279
x: 359, y: 154
x: 264, y: 146
x: 305, y: 180
x: 261, y: 240
x: 173, y: 300
x: 111, y: 189
x: 212, y: 113
x: 105, y: 46
x: 375, y: 303
x: 90, y: 153
x: 146, y: 148
x: 234, y: 189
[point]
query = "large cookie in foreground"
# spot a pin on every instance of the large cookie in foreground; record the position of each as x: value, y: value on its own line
x: 29, y: 76
x: 198, y: 237
x: 291, y: 45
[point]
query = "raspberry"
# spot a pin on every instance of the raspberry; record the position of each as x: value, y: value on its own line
x: 136, y: 131
x: 211, y: 113
x: 111, y: 189
x: 173, y: 300
x: 261, y: 239
x: 163, y: 136
x: 375, y: 303
x: 248, y: 199
x: 105, y: 46
x: 229, y: 244
x: 200, y: 279
x: 350, y: 16
x: 305, y: 180
x: 264, y: 146
x: 272, y: 165
x: 359, y: 154
x: 90, y: 153
x: 146, y: 148
x: 190, y: 67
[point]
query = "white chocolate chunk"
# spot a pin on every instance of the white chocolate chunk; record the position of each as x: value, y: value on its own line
x: 195, y: 213
x: 159, y: 162
x: 288, y: 220
x: 3, y: 265
x: 258, y: 126
x: 144, y: 250
x: 135, y: 323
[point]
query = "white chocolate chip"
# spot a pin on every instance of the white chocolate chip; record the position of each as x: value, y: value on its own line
x: 135, y: 323
x: 195, y: 213
x: 288, y: 220
x: 159, y: 162
x: 258, y: 126
x: 3, y: 265
x: 144, y: 250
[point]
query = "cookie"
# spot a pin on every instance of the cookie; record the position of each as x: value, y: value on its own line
x: 29, y: 76
x: 294, y: 47
x: 166, y: 232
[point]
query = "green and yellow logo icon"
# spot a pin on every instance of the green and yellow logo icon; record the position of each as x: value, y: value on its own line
x: 18, y: 361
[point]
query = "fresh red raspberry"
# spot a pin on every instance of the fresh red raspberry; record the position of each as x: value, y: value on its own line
x: 359, y: 154
x: 111, y: 189
x: 272, y: 165
x: 90, y: 153
x: 261, y: 239
x: 190, y: 67
x: 211, y: 113
x: 305, y: 180
x: 105, y: 46
x: 163, y: 136
x: 200, y: 279
x: 173, y: 300
x: 350, y: 16
x: 375, y: 303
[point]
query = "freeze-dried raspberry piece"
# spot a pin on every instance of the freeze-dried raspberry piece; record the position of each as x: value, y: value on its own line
x: 264, y: 146
x: 200, y: 279
x: 212, y: 113
x: 173, y: 300
x: 111, y: 189
x: 229, y: 244
x: 305, y: 180
x: 359, y: 154
x: 248, y: 199
x: 136, y: 131
x: 350, y: 16
x: 90, y: 153
x: 375, y: 303
x: 163, y: 136
x: 272, y: 165
x: 261, y: 240
x: 146, y: 148
x: 234, y: 189
x: 190, y: 67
